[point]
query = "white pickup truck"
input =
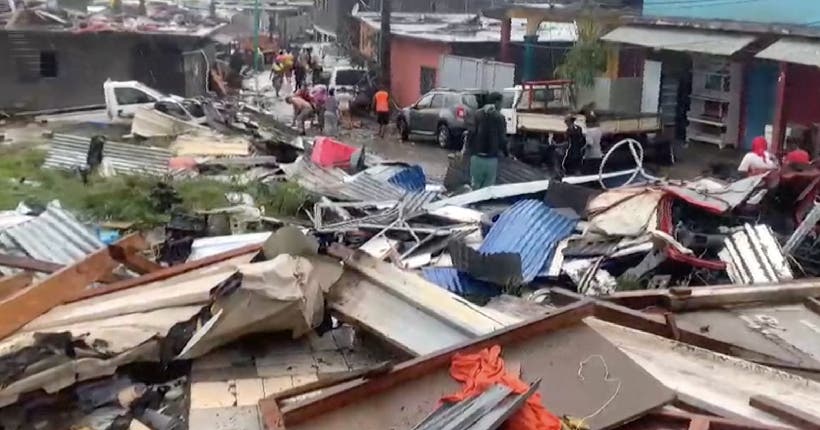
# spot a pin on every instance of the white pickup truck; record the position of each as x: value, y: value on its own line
x: 150, y: 112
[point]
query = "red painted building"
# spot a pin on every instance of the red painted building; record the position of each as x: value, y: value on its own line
x: 419, y: 41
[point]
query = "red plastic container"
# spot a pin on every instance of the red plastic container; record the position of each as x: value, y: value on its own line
x: 328, y: 152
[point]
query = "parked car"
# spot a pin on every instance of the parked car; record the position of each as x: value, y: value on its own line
x: 444, y: 114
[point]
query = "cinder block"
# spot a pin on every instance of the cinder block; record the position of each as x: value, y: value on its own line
x: 249, y: 391
x: 206, y: 395
x: 240, y: 418
x: 276, y: 385
x: 330, y: 363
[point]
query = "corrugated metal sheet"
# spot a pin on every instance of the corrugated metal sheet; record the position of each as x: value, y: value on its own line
x: 410, y: 178
x: 335, y: 183
x: 69, y: 152
x: 55, y: 236
x: 510, y: 171
x: 793, y: 50
x: 753, y: 256
x: 679, y: 39
x: 459, y: 283
x: 532, y: 229
x: 501, y: 268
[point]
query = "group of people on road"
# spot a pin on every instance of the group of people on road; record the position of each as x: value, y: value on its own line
x: 299, y: 70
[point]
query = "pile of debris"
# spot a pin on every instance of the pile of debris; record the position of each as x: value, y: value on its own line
x: 397, y: 304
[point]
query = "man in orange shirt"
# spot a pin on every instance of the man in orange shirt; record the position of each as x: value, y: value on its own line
x: 381, y: 104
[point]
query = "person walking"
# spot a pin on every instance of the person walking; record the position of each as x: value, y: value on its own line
x: 381, y: 105
x: 345, y: 100
x: 277, y: 73
x: 488, y: 141
x: 331, y: 113
x: 302, y: 111
x: 574, y: 155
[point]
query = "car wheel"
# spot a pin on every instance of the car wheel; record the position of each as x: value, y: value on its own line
x: 404, y: 130
x: 443, y: 136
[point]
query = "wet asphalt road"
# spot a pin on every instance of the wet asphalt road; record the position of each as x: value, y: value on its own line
x: 426, y: 153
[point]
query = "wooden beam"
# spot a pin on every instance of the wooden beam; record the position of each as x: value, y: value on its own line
x: 27, y: 263
x: 801, y: 419
x: 162, y: 274
x: 11, y: 284
x: 132, y: 259
x: 55, y: 290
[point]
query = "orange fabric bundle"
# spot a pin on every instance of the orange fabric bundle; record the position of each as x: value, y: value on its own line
x: 482, y: 370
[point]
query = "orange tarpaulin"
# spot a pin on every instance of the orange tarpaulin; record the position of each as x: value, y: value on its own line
x: 482, y: 370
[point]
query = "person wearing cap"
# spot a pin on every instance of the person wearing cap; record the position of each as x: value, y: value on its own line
x: 574, y: 155
x: 758, y: 160
x: 488, y: 140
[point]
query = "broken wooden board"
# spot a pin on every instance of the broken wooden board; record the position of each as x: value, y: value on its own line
x: 59, y: 287
x: 551, y: 348
x: 11, y: 284
x: 165, y: 273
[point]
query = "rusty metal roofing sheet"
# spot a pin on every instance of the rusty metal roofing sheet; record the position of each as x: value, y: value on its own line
x: 335, y: 183
x: 55, y: 236
x: 531, y: 229
x: 69, y: 152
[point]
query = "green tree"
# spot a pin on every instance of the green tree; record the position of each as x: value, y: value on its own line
x: 587, y: 58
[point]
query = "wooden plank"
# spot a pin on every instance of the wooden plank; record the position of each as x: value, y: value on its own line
x: 164, y: 273
x: 702, y: 422
x: 712, y: 297
x: 132, y: 259
x: 797, y: 417
x: 27, y: 263
x: 11, y: 284
x: 699, y: 406
x: 41, y: 297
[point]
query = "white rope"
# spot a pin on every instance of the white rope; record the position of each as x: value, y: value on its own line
x: 607, y: 378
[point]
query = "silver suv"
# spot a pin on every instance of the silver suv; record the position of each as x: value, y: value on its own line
x: 443, y: 114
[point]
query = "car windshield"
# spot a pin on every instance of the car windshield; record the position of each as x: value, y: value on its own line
x: 349, y: 76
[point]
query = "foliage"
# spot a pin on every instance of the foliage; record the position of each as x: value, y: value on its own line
x: 126, y: 198
x: 588, y: 57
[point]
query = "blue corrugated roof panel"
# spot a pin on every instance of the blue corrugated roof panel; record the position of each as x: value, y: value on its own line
x: 411, y: 178
x: 459, y: 283
x: 531, y: 229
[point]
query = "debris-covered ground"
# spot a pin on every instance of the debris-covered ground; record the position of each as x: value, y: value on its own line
x: 231, y: 274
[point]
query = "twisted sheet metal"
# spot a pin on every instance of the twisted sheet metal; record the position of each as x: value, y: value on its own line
x: 69, y: 153
x: 55, y: 236
x: 335, y: 183
x: 531, y: 229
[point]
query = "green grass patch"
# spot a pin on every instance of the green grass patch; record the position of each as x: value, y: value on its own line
x: 126, y: 198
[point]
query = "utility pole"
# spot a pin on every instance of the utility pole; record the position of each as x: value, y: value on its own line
x: 384, y: 43
x: 256, y: 17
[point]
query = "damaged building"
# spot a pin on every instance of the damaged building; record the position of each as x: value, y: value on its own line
x: 55, y: 64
